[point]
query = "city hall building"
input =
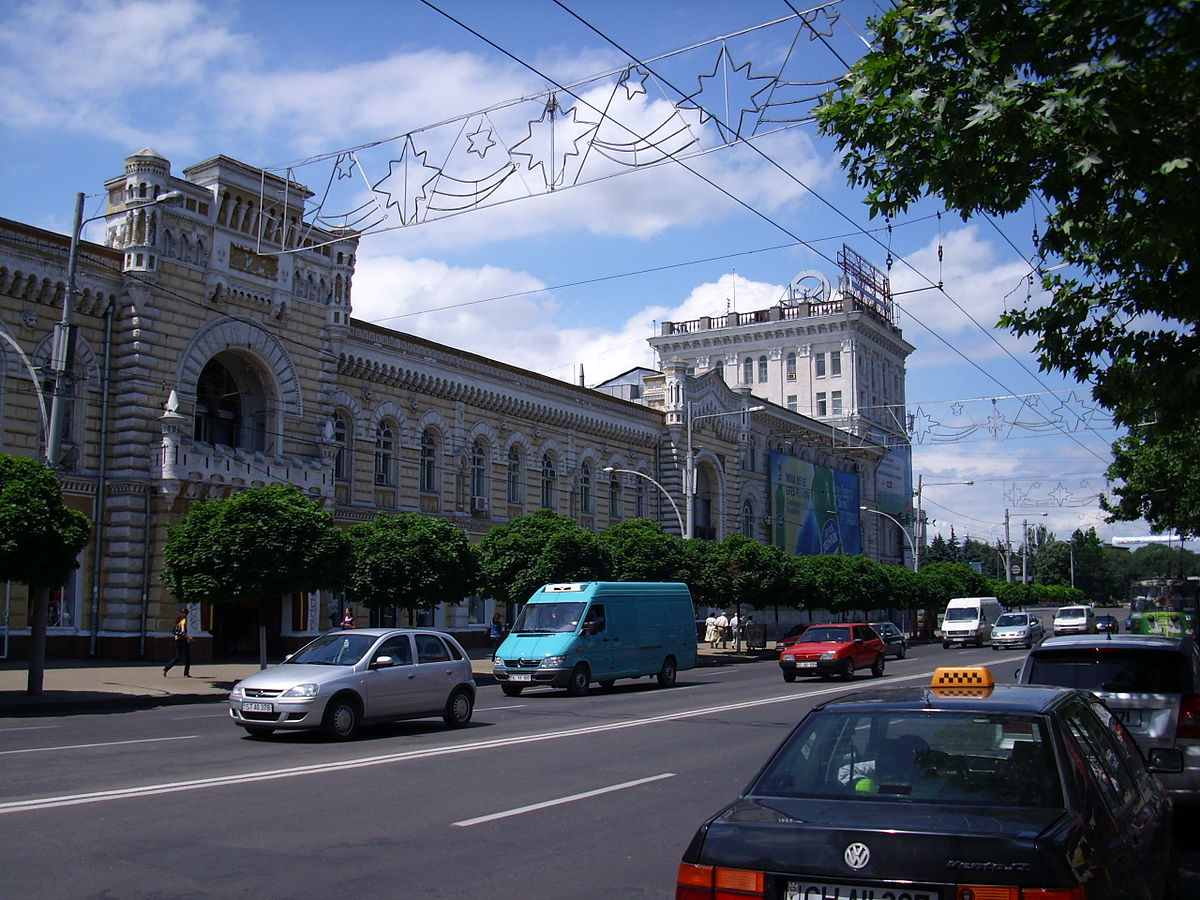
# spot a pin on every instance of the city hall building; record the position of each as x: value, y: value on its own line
x: 213, y: 347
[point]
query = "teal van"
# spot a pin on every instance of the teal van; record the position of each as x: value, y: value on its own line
x: 569, y: 635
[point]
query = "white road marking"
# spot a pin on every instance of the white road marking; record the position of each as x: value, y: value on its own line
x: 494, y: 708
x: 534, y: 807
x: 182, y: 737
x: 28, y: 728
x: 364, y: 762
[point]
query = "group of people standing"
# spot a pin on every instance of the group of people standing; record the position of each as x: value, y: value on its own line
x: 720, y: 629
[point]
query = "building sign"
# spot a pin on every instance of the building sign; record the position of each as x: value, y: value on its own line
x: 243, y: 259
x: 814, y: 509
x: 893, y: 483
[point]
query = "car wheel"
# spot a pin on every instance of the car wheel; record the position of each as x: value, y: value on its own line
x: 848, y: 668
x: 459, y: 708
x: 666, y: 675
x: 578, y: 685
x: 789, y: 677
x: 945, y: 645
x: 606, y: 683
x: 341, y: 718
x: 903, y: 652
x: 512, y: 690
x: 877, y: 666
x: 258, y: 731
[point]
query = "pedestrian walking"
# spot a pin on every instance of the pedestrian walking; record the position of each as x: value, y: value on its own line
x: 710, y: 629
x: 183, y: 645
x: 722, y: 630
x: 348, y: 619
x: 496, y: 632
x: 735, y: 631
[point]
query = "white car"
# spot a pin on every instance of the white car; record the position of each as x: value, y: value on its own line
x: 345, y: 678
x: 1017, y: 629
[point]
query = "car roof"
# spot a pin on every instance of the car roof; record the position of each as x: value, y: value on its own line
x: 1112, y: 641
x: 380, y: 632
x: 1002, y: 698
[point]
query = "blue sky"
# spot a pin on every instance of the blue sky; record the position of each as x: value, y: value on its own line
x: 339, y: 96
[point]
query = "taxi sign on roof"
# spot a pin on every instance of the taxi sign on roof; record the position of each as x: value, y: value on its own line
x: 962, y: 681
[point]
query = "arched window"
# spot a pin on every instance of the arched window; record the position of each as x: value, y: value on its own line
x: 762, y: 369
x: 549, y: 481
x: 218, y: 417
x: 585, y: 489
x: 428, y: 470
x: 639, y: 499
x: 614, y: 498
x: 747, y: 520
x: 719, y: 368
x: 479, y: 486
x: 384, y: 452
x: 341, y: 466
x: 515, y: 494
x: 791, y: 367
x: 748, y: 370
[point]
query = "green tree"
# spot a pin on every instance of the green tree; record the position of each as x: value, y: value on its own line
x: 1155, y: 477
x: 540, y: 548
x: 252, y: 546
x: 40, y: 542
x: 844, y: 584
x: 642, y: 550
x: 410, y: 561
x: 1090, y: 106
x: 948, y: 580
x: 737, y: 573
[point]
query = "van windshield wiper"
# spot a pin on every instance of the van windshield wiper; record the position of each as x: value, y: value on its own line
x: 534, y: 631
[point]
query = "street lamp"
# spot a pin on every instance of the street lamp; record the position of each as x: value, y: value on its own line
x: 1025, y: 549
x: 908, y: 537
x: 670, y: 499
x: 918, y: 524
x: 689, y: 487
x: 63, y: 352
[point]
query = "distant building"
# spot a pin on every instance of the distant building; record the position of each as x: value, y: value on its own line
x: 214, y: 348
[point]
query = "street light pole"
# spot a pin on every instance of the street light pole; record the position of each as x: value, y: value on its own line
x: 670, y: 499
x: 919, y: 523
x: 911, y: 544
x: 689, y: 475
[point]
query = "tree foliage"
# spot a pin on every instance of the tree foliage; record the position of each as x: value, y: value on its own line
x: 540, y: 548
x: 1156, y: 477
x: 410, y: 561
x: 737, y: 572
x: 252, y: 545
x: 1091, y: 106
x: 40, y: 538
x: 642, y: 550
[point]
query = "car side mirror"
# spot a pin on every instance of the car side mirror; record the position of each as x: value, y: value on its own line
x: 1165, y: 760
x: 286, y: 658
x: 382, y: 662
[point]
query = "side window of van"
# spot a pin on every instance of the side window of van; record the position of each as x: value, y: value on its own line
x: 594, y: 623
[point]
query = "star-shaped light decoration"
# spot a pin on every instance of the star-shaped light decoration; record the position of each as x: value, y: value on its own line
x: 481, y: 141
x: 407, y: 182
x: 1060, y: 495
x: 729, y: 100
x: 817, y: 28
x: 633, y: 80
x: 344, y: 166
x: 554, y: 138
x: 956, y: 408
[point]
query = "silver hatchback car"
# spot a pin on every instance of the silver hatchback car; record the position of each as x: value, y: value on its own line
x: 1150, y: 682
x: 1017, y: 629
x: 345, y: 678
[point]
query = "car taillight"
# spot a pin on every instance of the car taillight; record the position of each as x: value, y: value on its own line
x: 1189, y: 717
x: 1005, y: 892
x: 716, y: 883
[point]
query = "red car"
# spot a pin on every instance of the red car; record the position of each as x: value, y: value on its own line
x: 836, y: 649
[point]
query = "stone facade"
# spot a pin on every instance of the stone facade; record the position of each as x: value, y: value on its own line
x: 215, y: 349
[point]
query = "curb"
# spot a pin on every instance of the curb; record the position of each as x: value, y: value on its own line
x: 59, y: 703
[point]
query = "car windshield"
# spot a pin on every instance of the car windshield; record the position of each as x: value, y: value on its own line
x: 962, y: 613
x: 826, y: 636
x: 336, y: 648
x: 884, y: 628
x: 549, y: 618
x: 923, y: 757
x: 1117, y: 670
x: 1012, y: 619
x: 1065, y: 614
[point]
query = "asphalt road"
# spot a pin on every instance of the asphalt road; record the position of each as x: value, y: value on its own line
x: 544, y: 795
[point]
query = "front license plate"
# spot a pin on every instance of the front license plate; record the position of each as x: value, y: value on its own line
x: 810, y: 890
x: 520, y: 678
x: 257, y: 707
x: 806, y: 665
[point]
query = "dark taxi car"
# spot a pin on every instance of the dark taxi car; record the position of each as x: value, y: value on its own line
x: 835, y: 649
x: 962, y: 790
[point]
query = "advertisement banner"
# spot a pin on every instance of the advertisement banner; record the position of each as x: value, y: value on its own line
x: 893, y: 483
x: 815, y: 509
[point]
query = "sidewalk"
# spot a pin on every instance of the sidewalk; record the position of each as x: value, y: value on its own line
x: 82, y: 686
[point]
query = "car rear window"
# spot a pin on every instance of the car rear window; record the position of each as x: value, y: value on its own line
x: 1113, y: 670
x: 906, y: 757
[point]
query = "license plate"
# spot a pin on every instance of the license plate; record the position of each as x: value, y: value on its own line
x: 1131, y: 717
x: 520, y: 678
x: 811, y: 890
x: 806, y: 665
x: 257, y: 707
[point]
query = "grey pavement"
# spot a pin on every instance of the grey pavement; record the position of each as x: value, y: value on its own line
x: 82, y: 686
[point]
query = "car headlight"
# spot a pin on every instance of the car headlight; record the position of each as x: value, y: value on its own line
x: 497, y: 661
x: 829, y: 654
x: 551, y: 662
x: 301, y: 690
x: 236, y: 693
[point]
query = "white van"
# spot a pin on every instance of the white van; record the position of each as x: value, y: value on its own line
x: 1075, y: 620
x: 969, y: 620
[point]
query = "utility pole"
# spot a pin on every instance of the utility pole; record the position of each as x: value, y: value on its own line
x: 1007, y: 549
